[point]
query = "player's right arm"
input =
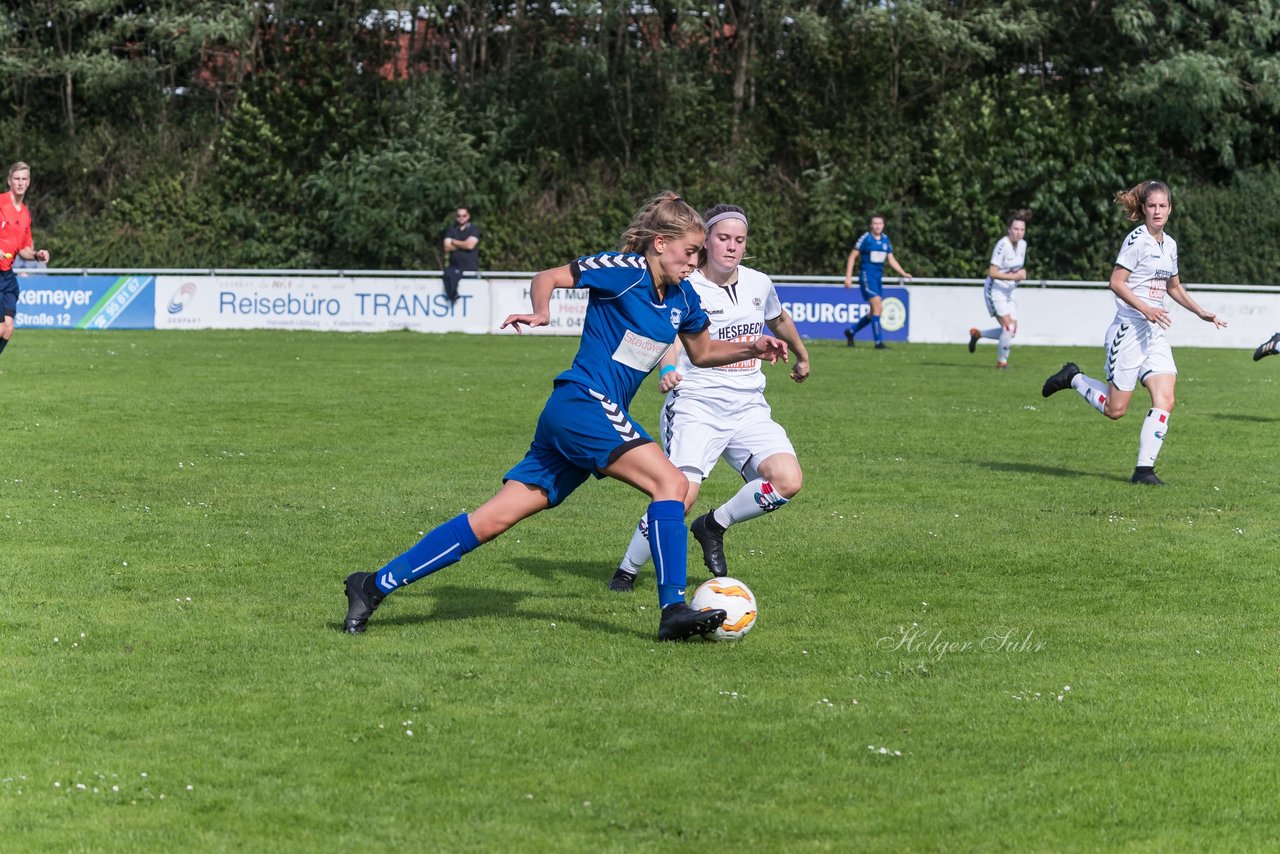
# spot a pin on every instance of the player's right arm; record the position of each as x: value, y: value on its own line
x: 540, y: 295
x: 1014, y: 276
x: 848, y: 267
x: 1120, y: 287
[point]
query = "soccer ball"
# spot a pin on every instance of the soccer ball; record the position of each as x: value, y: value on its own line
x: 735, y: 598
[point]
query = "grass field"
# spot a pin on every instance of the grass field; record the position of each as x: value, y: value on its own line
x: 975, y: 634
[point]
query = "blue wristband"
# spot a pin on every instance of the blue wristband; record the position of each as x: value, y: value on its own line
x: 666, y: 370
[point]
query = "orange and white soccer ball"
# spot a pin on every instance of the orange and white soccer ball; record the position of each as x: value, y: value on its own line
x: 735, y: 598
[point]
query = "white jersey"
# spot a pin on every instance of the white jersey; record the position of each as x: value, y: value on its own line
x: 1007, y: 258
x: 738, y: 313
x: 1151, y: 264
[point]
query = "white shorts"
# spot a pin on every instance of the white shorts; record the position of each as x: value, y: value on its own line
x: 697, y: 432
x: 1136, y: 349
x: 1000, y: 300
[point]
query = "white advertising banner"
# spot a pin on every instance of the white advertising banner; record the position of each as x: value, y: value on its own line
x: 1073, y: 317
x: 511, y: 296
x: 333, y: 303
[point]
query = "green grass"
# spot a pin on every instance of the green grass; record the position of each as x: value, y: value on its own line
x: 179, y: 510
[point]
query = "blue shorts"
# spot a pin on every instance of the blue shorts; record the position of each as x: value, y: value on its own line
x: 871, y: 288
x: 8, y: 294
x: 580, y: 432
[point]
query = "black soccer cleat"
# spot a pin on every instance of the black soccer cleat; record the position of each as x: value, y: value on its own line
x: 712, y: 543
x: 622, y: 581
x: 882, y: 346
x: 1061, y: 380
x: 974, y: 335
x: 1146, y: 475
x: 360, y: 604
x: 1267, y: 348
x: 848, y: 337
x: 679, y: 622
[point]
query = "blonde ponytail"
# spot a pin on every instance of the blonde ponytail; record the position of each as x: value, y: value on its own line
x: 666, y: 215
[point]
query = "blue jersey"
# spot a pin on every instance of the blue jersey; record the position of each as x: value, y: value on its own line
x: 872, y: 253
x: 627, y: 329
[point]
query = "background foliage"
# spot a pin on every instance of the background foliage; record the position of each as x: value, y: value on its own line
x: 321, y: 133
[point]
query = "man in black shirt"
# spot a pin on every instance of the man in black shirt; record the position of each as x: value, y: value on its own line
x: 461, y: 243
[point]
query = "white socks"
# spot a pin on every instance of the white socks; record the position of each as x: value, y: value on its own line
x: 1151, y: 439
x: 754, y: 499
x: 1091, y: 390
x: 1005, y: 345
x: 638, y: 553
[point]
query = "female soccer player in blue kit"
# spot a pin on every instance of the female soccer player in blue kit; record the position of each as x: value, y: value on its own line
x: 638, y: 303
x: 872, y: 251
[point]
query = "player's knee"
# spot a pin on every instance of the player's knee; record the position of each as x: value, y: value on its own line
x: 1115, y: 412
x: 789, y: 483
x: 671, y: 486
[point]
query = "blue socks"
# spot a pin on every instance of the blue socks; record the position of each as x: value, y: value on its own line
x: 874, y: 322
x: 443, y: 546
x: 669, y: 543
x: 447, y: 543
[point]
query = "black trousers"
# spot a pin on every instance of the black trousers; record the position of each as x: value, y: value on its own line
x: 452, y: 276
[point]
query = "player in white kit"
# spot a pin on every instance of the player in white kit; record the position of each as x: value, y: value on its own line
x: 1005, y: 271
x: 1137, y: 349
x: 720, y: 413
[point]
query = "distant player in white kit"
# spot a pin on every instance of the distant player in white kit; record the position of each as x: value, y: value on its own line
x: 1137, y: 349
x: 1004, y: 273
x: 714, y: 413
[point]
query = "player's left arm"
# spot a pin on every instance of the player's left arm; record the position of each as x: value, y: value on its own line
x: 669, y: 379
x: 784, y: 327
x: 30, y: 253
x: 1179, y: 295
x: 705, y: 352
x: 893, y: 262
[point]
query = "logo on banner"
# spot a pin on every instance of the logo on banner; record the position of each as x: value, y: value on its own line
x: 181, y: 297
x: 894, y: 314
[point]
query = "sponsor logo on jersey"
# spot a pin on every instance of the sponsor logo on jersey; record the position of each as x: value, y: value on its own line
x: 740, y: 332
x: 637, y: 351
